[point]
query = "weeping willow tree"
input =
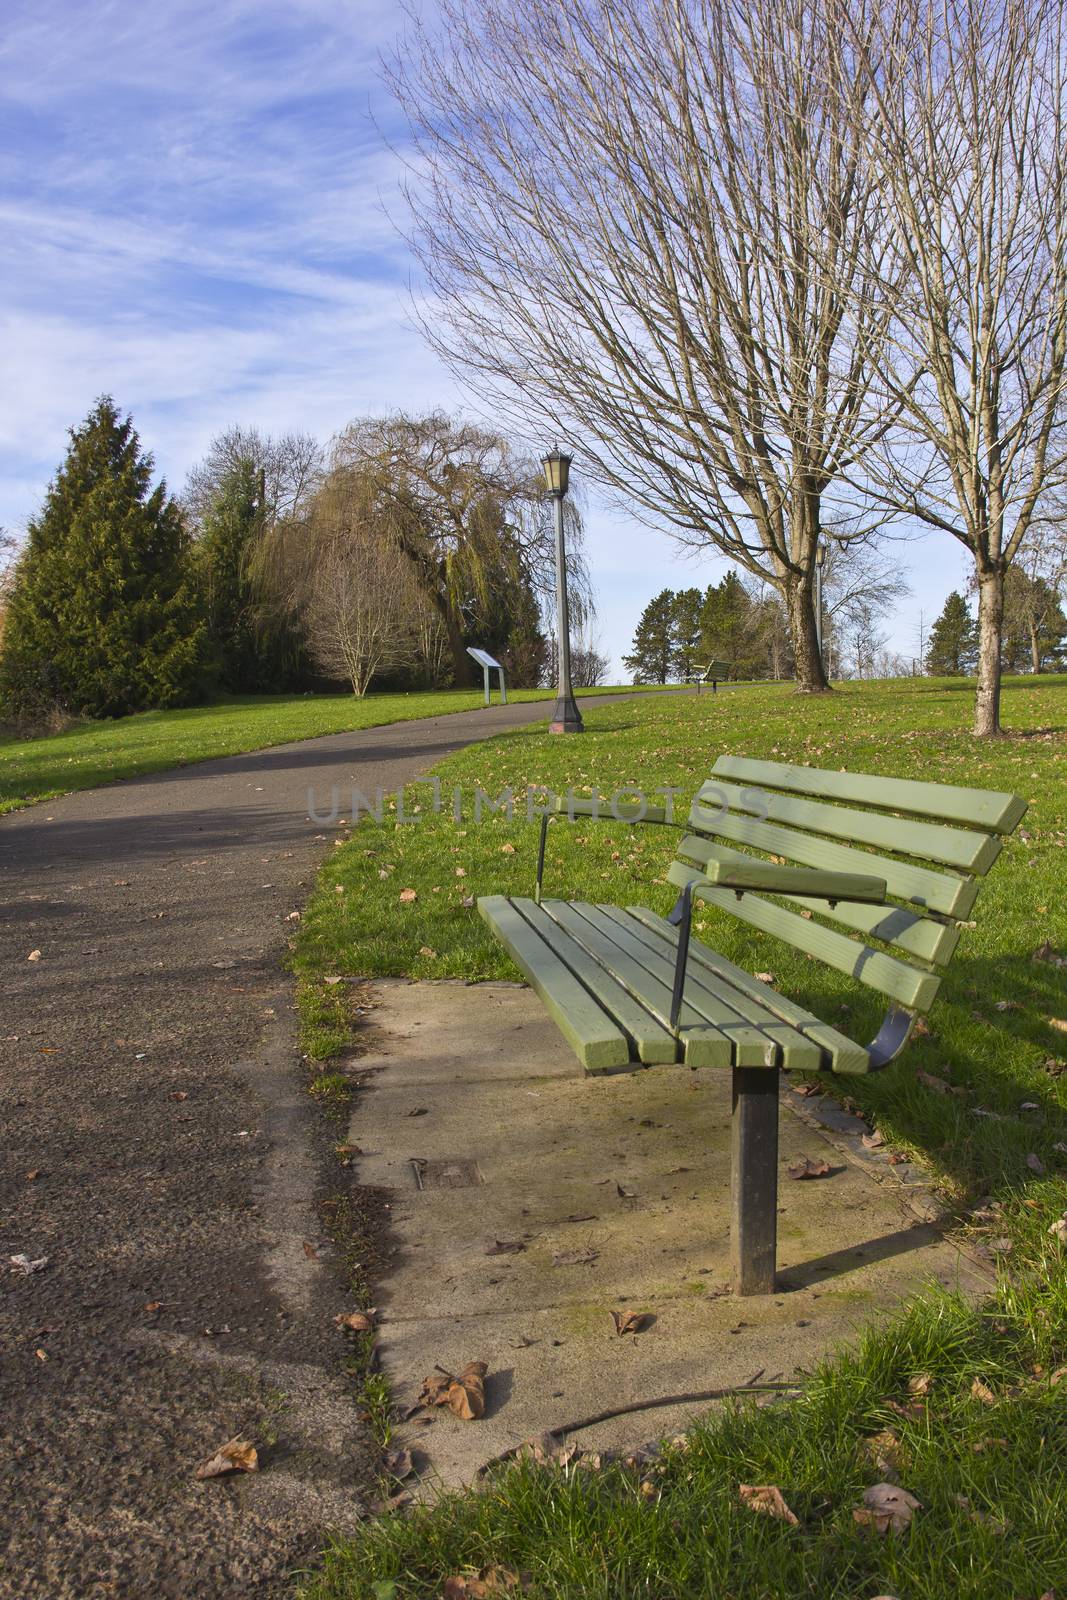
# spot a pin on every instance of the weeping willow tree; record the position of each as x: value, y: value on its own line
x: 470, y: 515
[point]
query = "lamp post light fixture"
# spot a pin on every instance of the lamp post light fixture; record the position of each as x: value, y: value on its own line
x: 566, y: 718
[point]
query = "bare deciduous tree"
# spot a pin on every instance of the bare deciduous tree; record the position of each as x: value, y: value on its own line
x: 971, y: 149
x: 359, y: 595
x: 290, y: 465
x: 644, y: 223
x: 862, y: 584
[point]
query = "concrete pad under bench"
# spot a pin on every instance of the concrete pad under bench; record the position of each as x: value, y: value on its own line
x: 478, y: 1119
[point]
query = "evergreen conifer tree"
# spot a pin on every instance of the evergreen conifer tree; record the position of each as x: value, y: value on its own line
x: 652, y: 658
x: 232, y: 522
x: 686, y: 618
x: 104, y: 616
x: 729, y: 625
x: 953, y: 647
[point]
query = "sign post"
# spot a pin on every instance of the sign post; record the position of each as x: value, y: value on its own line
x: 487, y: 664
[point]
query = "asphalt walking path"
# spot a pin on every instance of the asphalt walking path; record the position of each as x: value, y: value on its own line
x: 159, y: 1171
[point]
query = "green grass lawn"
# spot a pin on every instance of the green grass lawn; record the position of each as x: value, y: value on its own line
x: 99, y: 752
x: 991, y: 1477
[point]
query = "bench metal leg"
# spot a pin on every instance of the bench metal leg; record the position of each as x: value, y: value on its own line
x: 754, y: 1179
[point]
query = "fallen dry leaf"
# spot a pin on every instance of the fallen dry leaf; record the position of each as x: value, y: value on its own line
x: 34, y: 955
x: 886, y: 1453
x: 466, y: 1394
x: 575, y: 1258
x: 407, y: 895
x: 1035, y: 1163
x: 435, y: 1388
x: 492, y: 1581
x: 153, y: 1305
x: 236, y: 1455
x: 806, y: 1088
x: 808, y: 1168
x: 1059, y: 1230
x: 887, y: 1508
x: 982, y: 1391
x: 507, y: 849
x: 548, y: 1449
x: 767, y: 1499
x: 505, y: 1247
x: 920, y: 1385
x: 33, y: 1174
x: 872, y: 1141
x: 912, y: 1410
x: 179, y: 1095
x: 1059, y: 1023
x: 629, y: 1321
x: 355, y: 1321
x: 425, y: 950
x: 932, y: 1081
x: 22, y: 1264
x: 765, y: 977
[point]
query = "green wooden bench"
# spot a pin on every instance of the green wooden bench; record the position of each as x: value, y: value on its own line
x: 884, y: 871
x: 713, y: 672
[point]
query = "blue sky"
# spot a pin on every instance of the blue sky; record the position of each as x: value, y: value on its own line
x: 195, y: 212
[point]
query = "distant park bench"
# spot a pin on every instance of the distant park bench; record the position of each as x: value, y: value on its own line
x: 629, y: 988
x: 714, y: 672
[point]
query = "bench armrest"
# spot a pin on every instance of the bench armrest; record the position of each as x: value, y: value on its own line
x: 808, y: 881
x: 574, y: 809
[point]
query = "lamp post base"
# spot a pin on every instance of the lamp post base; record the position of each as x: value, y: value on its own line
x: 566, y: 718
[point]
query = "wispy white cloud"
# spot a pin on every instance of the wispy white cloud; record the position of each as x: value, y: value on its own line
x: 193, y: 199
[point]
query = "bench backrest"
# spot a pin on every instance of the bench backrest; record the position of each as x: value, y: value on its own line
x: 929, y: 841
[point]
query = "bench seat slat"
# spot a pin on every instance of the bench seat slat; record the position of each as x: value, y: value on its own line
x: 915, y: 934
x: 714, y: 1004
x: 843, y: 1054
x: 599, y: 1045
x: 653, y: 1042
x: 647, y: 980
x: 988, y: 809
x: 908, y: 985
x: 938, y: 891
x: 798, y: 1052
x: 966, y: 849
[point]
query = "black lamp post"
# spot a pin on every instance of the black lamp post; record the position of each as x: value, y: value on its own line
x: 819, y: 560
x: 566, y: 718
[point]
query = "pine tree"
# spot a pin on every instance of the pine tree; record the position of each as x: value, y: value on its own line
x: 104, y: 616
x: 729, y: 625
x: 686, y: 627
x: 232, y: 523
x: 652, y: 658
x: 953, y: 647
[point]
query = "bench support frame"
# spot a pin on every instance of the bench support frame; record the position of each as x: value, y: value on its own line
x: 754, y: 1179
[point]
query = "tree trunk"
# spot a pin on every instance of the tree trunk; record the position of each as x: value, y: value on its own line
x: 990, y: 636
x: 1035, y: 649
x: 810, y: 672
